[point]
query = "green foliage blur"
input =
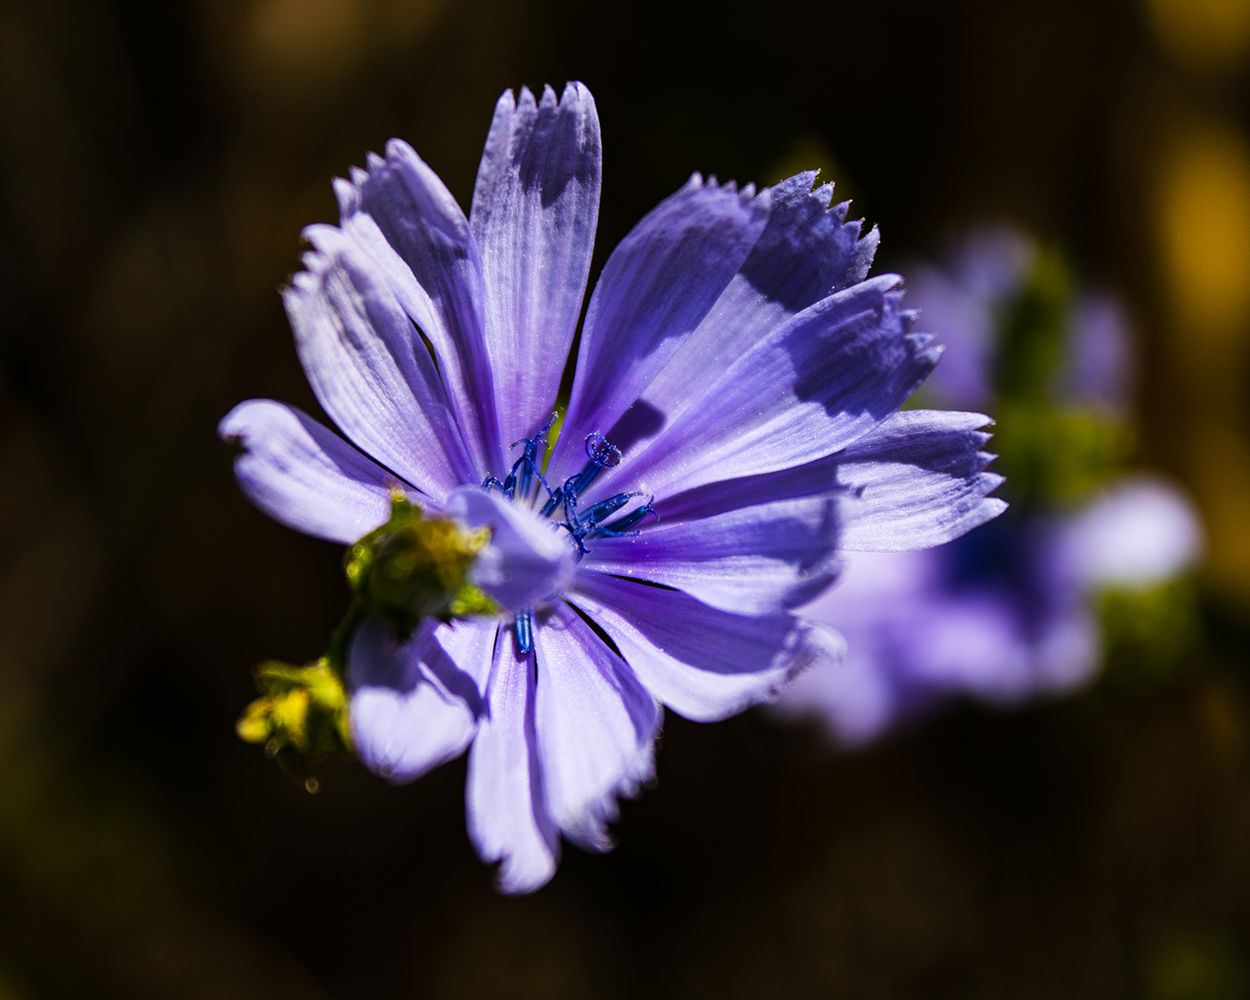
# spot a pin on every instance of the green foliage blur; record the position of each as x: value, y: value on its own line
x: 158, y: 163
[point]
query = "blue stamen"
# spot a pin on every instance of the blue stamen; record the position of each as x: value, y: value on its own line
x: 523, y: 626
x: 622, y: 526
x: 528, y: 462
x: 600, y: 454
x: 524, y: 469
x: 590, y: 519
x: 553, y: 501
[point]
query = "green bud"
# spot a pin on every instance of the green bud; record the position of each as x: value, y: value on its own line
x: 300, y: 718
x: 415, y: 567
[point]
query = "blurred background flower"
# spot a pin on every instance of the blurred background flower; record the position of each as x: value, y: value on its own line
x: 1015, y: 608
x: 159, y: 162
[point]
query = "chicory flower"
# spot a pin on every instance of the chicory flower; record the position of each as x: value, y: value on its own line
x: 732, y: 427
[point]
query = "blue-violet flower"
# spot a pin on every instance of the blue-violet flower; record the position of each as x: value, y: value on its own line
x: 731, y: 427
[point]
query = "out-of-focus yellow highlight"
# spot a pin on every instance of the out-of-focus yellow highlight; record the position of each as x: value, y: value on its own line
x: 1204, y: 226
x: 1208, y: 34
x: 1203, y: 247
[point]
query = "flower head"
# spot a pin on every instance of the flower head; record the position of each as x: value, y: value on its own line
x: 732, y: 423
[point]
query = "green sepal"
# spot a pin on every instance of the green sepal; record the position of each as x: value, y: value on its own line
x: 416, y: 567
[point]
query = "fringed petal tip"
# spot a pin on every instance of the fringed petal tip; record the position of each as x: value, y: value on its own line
x: 592, y: 831
x: 918, y: 480
x: 595, y: 726
x: 843, y: 242
x: 746, y: 193
x: 522, y: 98
x: 817, y: 647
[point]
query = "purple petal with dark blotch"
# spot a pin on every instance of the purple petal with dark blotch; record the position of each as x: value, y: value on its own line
x: 701, y: 662
x: 534, y: 213
x: 419, y: 219
x: 916, y: 480
x: 815, y: 385
x: 805, y: 251
x: 507, y: 815
x: 657, y: 286
x: 753, y: 560
x: 415, y: 703
x: 304, y: 475
x: 596, y: 725
x: 368, y: 368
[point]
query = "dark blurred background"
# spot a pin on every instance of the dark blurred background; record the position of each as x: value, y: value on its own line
x: 158, y: 161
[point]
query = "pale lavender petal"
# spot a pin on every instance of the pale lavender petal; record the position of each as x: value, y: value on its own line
x: 369, y: 368
x: 703, y: 663
x: 507, y: 816
x: 961, y: 301
x: 976, y: 618
x: 752, y: 560
x: 304, y: 475
x: 526, y: 561
x: 806, y: 251
x: 917, y: 480
x: 415, y: 703
x: 1140, y: 532
x: 410, y: 208
x: 657, y: 286
x: 981, y: 644
x: 870, y: 690
x: 1098, y: 362
x: 857, y: 699
x: 811, y: 388
x: 534, y: 212
x: 596, y: 725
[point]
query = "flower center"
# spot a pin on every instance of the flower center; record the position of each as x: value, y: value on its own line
x: 525, y: 483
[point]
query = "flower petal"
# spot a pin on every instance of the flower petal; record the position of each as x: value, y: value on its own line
x: 805, y: 251
x: 415, y: 704
x: 703, y: 663
x: 812, y: 387
x: 507, y: 817
x: 596, y: 726
x: 1097, y: 367
x: 918, y: 480
x: 657, y: 286
x: 534, y: 212
x: 1140, y: 532
x: 962, y: 304
x: 369, y: 368
x: 303, y: 474
x: 408, y: 209
x: 526, y: 560
x: 752, y: 560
